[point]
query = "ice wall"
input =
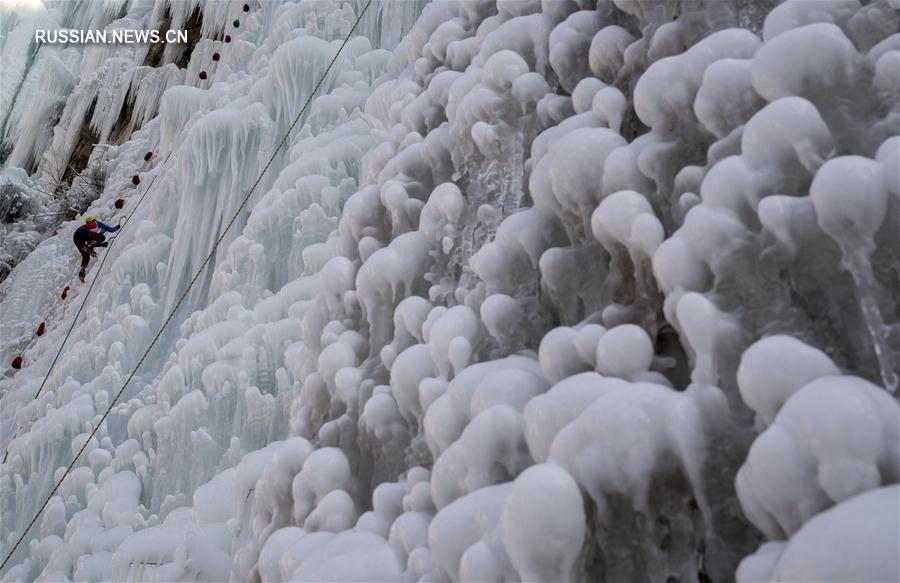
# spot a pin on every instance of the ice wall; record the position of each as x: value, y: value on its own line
x: 539, y: 290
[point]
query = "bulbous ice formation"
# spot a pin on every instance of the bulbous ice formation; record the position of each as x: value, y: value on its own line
x: 534, y: 290
x: 528, y: 524
x: 864, y: 527
x: 775, y: 368
x: 817, y: 463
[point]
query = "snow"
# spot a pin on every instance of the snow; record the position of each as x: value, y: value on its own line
x: 535, y: 290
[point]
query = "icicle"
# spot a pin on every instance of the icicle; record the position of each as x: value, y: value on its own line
x: 147, y: 87
x: 860, y: 267
x: 42, y: 94
x: 852, y: 223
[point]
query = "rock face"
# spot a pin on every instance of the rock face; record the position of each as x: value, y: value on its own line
x: 556, y: 290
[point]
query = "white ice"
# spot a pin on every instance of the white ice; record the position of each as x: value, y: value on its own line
x: 555, y: 290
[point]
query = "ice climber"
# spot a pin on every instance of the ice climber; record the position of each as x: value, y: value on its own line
x: 86, y: 238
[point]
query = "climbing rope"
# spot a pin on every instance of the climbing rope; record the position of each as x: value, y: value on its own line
x: 190, y: 285
x: 84, y: 301
x: 119, y: 204
x: 39, y: 329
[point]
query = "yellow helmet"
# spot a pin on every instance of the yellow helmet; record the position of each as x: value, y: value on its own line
x: 89, y: 219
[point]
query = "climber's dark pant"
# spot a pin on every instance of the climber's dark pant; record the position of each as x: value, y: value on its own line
x: 86, y: 249
x: 85, y: 256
